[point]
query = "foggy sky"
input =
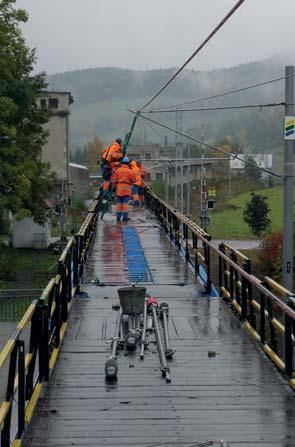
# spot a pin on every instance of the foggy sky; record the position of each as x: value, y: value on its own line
x: 148, y: 34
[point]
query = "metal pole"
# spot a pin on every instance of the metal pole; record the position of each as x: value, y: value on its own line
x: 143, y: 334
x: 288, y: 186
x: 164, y: 368
x: 164, y: 309
x: 229, y: 179
x: 176, y: 178
x: 166, y: 185
x: 111, y: 365
x: 188, y: 193
x: 179, y: 164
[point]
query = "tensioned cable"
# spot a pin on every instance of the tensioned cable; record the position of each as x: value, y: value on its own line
x: 154, y: 130
x: 215, y: 148
x: 251, y: 127
x: 242, y: 89
x: 204, y: 109
x: 216, y: 29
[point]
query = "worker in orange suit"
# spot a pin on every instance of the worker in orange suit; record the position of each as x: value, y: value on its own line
x: 123, y: 180
x: 113, y: 153
x: 135, y: 187
x: 142, y: 181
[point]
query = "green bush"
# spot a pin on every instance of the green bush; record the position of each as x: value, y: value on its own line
x: 7, y: 267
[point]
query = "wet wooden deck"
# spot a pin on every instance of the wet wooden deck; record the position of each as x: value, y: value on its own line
x: 236, y: 396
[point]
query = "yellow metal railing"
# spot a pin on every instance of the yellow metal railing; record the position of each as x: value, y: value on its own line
x: 30, y: 364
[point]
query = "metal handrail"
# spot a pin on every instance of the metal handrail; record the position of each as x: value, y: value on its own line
x: 237, y: 285
x: 47, y: 317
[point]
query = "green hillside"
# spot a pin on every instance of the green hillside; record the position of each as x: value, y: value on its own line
x: 103, y: 94
x: 229, y: 224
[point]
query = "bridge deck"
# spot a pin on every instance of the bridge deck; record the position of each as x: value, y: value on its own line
x: 237, y: 396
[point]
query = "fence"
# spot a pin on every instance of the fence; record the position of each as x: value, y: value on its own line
x: 265, y: 308
x: 30, y: 363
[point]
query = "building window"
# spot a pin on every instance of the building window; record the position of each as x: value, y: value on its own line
x: 148, y: 177
x: 159, y: 176
x: 53, y: 103
x: 43, y: 103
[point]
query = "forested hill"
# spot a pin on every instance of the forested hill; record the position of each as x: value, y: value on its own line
x: 103, y: 94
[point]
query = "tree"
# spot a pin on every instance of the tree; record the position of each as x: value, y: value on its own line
x: 25, y: 181
x: 270, y: 255
x: 256, y: 214
x: 94, y: 152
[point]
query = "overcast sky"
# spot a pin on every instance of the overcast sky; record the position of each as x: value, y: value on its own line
x: 147, y: 34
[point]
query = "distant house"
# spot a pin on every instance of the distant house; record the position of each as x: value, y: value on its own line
x: 56, y: 149
x: 26, y: 233
x: 159, y: 161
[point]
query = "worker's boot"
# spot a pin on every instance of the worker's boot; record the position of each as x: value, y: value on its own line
x: 125, y: 217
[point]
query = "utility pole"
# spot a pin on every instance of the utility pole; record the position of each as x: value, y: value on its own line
x: 229, y: 177
x: 188, y: 192
x: 204, y: 213
x: 179, y: 164
x: 288, y: 179
x: 166, y: 185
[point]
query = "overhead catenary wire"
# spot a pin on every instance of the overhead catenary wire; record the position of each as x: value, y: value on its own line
x: 210, y: 146
x: 206, y: 109
x: 250, y: 128
x: 208, y: 38
x: 219, y: 95
x: 154, y: 130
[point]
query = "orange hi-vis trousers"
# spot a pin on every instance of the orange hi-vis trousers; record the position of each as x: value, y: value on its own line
x: 141, y: 194
x: 135, y: 195
x: 122, y: 208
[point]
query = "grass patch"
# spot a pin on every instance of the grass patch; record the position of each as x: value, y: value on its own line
x: 229, y: 223
x: 26, y: 268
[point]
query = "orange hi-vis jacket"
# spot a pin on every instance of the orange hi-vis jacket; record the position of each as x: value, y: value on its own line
x: 113, y: 153
x: 123, y: 179
x: 136, y: 172
x: 142, y: 174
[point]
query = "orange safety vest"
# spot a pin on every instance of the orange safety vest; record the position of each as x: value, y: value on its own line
x: 136, y: 172
x: 142, y: 174
x: 123, y: 180
x: 113, y: 153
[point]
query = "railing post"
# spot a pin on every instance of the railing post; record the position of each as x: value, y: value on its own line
x: 43, y: 347
x: 40, y: 323
x: 33, y: 348
x: 244, y: 310
x: 262, y: 318
x: 185, y: 235
x: 81, y: 257
x: 5, y: 433
x: 76, y: 262
x: 288, y: 342
x: 70, y: 267
x: 166, y: 220
x: 236, y: 279
x: 231, y: 278
x: 177, y: 229
x: 272, y: 333
x: 220, y: 270
x: 208, y: 266
x: 195, y: 247
x: 57, y: 315
x: 21, y: 388
x: 252, y: 318
x: 170, y: 220
x: 64, y: 294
